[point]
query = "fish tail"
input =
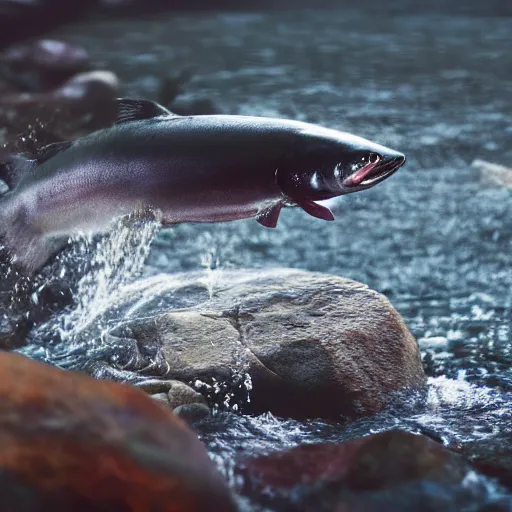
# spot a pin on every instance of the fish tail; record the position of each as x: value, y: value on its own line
x: 25, y: 246
x: 3, y: 218
x: 6, y: 173
x: 7, y: 220
x: 13, y: 167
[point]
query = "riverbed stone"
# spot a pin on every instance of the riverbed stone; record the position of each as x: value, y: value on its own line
x: 69, y: 442
x: 192, y: 412
x: 300, y: 344
x: 12, y: 331
x: 180, y: 394
x: 155, y: 386
x: 172, y: 392
x: 161, y: 398
x: 492, y: 456
x: 394, y: 470
x: 79, y: 106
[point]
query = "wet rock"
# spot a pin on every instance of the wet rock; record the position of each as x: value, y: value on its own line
x: 394, y: 457
x: 192, y: 412
x: 91, y: 88
x: 309, y: 345
x: 177, y: 393
x: 154, y: 386
x: 69, y: 442
x: 12, y: 331
x: 81, y: 105
x: 43, y: 64
x: 180, y: 394
x: 494, y: 174
x: 394, y: 470
x: 161, y: 398
x: 492, y: 457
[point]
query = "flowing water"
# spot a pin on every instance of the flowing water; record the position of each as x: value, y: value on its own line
x: 433, y: 238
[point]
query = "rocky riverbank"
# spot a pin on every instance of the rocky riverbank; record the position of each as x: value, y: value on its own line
x: 291, y: 342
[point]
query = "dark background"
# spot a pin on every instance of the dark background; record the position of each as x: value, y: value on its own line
x: 20, y: 19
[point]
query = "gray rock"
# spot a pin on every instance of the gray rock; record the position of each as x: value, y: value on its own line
x: 300, y: 344
x: 494, y: 174
x: 180, y: 394
x: 192, y: 412
x: 173, y: 392
x: 153, y: 386
x: 161, y: 398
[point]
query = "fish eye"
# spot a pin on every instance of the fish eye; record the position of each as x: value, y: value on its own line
x: 373, y: 158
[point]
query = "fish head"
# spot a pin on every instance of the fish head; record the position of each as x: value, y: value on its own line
x: 326, y: 163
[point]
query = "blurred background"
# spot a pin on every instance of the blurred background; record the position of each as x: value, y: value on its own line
x: 20, y: 18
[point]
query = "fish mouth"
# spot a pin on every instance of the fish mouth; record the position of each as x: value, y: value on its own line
x: 374, y: 172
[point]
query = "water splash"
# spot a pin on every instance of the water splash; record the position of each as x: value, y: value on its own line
x: 211, y: 261
x: 449, y: 400
x: 232, y: 394
x: 116, y: 261
x: 228, y: 395
x: 107, y: 266
x: 109, y: 294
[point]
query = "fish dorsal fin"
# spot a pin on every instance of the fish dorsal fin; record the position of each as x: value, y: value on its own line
x: 49, y: 151
x: 129, y: 110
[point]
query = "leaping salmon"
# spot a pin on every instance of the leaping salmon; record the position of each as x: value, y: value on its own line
x: 190, y: 169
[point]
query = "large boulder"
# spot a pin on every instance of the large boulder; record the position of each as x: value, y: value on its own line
x: 309, y: 345
x: 390, y: 471
x: 69, y: 442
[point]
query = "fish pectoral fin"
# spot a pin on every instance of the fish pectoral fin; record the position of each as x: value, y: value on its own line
x: 269, y: 216
x: 315, y: 210
x: 128, y: 110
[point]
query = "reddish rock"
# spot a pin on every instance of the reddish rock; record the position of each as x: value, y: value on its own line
x: 308, y: 464
x: 492, y: 456
x: 69, y: 442
x: 394, y: 470
x: 394, y: 457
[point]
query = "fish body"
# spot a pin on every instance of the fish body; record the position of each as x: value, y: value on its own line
x: 189, y: 169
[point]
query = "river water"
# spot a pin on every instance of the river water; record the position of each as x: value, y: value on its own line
x: 433, y: 238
